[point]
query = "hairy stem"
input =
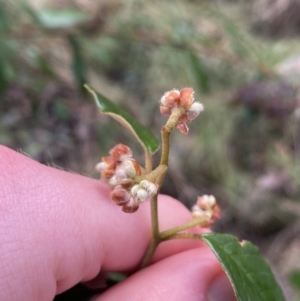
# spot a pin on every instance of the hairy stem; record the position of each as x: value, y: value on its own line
x: 148, y: 161
x: 165, y: 135
x: 154, y: 217
x: 185, y: 236
x: 171, y: 232
x: 157, y: 176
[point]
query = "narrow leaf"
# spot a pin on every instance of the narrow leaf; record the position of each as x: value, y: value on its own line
x: 250, y: 275
x: 78, y: 62
x: 143, y: 134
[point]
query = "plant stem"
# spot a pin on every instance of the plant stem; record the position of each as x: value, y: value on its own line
x: 170, y: 232
x: 166, y: 132
x: 149, y: 254
x: 154, y: 217
x: 148, y: 161
x: 185, y: 236
x: 155, y: 233
x: 157, y: 176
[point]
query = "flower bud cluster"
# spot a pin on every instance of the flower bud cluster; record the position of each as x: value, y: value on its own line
x: 119, y: 170
x: 207, y: 206
x: 184, y: 99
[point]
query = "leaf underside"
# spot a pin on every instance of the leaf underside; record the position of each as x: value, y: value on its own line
x: 250, y: 275
x: 142, y: 134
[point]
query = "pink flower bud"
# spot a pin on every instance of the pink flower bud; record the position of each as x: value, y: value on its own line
x: 207, y: 207
x: 120, y: 151
x: 137, y: 167
x: 131, y: 206
x: 186, y: 97
x: 120, y: 196
x: 170, y: 98
x: 107, y: 167
x: 165, y: 110
x: 126, y: 183
x: 111, y: 163
x: 107, y: 173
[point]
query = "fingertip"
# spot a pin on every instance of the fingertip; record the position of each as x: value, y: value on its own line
x: 183, y: 276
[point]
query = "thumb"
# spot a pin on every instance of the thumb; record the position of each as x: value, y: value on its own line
x: 58, y: 229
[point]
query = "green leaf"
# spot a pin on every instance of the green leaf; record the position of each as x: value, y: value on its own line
x: 143, y: 134
x: 294, y: 278
x: 117, y: 277
x: 78, y: 63
x: 250, y: 275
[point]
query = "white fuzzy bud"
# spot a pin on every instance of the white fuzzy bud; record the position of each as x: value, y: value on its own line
x: 143, y: 191
x: 208, y: 201
x: 195, y: 109
x: 134, y: 190
x: 113, y: 181
x: 129, y: 168
x: 101, y: 166
x: 142, y: 195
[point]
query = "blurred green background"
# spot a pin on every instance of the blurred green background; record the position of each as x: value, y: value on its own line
x: 242, y: 58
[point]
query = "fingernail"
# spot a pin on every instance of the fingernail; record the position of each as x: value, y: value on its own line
x: 221, y: 290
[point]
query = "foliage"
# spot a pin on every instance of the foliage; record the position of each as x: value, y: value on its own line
x: 250, y: 275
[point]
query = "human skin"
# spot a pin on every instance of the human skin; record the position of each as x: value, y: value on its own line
x: 58, y: 229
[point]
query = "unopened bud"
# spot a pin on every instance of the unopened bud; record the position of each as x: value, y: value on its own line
x: 206, y: 202
x: 101, y: 166
x: 186, y: 97
x: 113, y: 181
x: 120, y: 151
x: 165, y: 110
x: 120, y: 196
x: 131, y: 206
x: 198, y: 212
x: 150, y: 187
x: 195, y: 109
x: 134, y: 190
x: 128, y: 167
x: 170, y: 98
x: 207, y: 207
x: 142, y: 195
